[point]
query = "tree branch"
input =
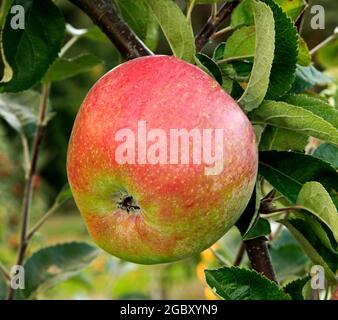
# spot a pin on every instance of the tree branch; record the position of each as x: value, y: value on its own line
x: 27, y: 197
x: 213, y: 23
x: 105, y: 15
x: 4, y: 272
x: 259, y: 257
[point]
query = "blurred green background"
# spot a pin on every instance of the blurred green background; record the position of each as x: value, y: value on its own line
x: 107, y: 277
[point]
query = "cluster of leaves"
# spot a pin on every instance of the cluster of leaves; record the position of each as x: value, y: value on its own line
x: 264, y: 64
x: 32, y: 57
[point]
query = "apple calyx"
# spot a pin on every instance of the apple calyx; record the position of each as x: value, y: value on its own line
x: 127, y: 203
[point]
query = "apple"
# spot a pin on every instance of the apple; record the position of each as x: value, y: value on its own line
x: 161, y: 161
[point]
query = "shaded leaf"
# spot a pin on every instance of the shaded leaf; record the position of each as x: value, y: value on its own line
x: 3, y: 287
x: 328, y: 152
x: 312, y: 246
x: 31, y: 50
x: 219, y: 52
x: 289, y: 171
x: 282, y: 140
x: 243, y: 284
x: 288, y: 258
x: 209, y: 66
x: 238, y: 70
x: 250, y: 214
x: 295, y: 288
x: 307, y: 77
x: 52, y: 265
x: 20, y: 110
x: 260, y: 229
x: 65, y: 68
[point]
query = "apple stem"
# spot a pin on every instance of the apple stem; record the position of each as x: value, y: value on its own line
x: 104, y: 14
x: 213, y: 23
x: 259, y: 257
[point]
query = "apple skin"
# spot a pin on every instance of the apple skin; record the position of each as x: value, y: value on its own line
x: 182, y: 210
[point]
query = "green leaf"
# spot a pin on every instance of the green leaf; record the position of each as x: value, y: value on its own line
x: 328, y: 152
x: 313, y: 247
x: 140, y: 19
x: 324, y: 234
x: 296, y: 118
x: 6, y: 72
x: 293, y: 8
x: 264, y: 52
x: 328, y: 55
x: 243, y: 14
x: 316, y: 106
x: 207, y: 1
x: 3, y: 287
x: 20, y: 110
x: 307, y: 77
x: 285, y: 55
x: 295, y: 288
x: 96, y: 34
x: 314, y: 198
x: 209, y: 66
x: 64, y: 195
x: 31, y: 50
x: 304, y: 57
x: 52, y: 265
x: 243, y: 284
x: 240, y: 45
x: 4, y: 8
x: 238, y: 70
x: 260, y: 229
x: 250, y: 214
x: 288, y: 257
x: 175, y: 27
x: 282, y: 140
x: 66, y: 68
x: 289, y: 171
x: 219, y: 52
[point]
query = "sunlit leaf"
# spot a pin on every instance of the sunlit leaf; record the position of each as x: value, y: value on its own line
x: 52, y: 265
x: 264, y: 53
x: 175, y: 27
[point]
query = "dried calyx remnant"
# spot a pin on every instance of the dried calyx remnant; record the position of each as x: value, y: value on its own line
x: 127, y: 203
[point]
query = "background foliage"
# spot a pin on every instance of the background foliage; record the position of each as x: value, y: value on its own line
x: 262, y: 59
